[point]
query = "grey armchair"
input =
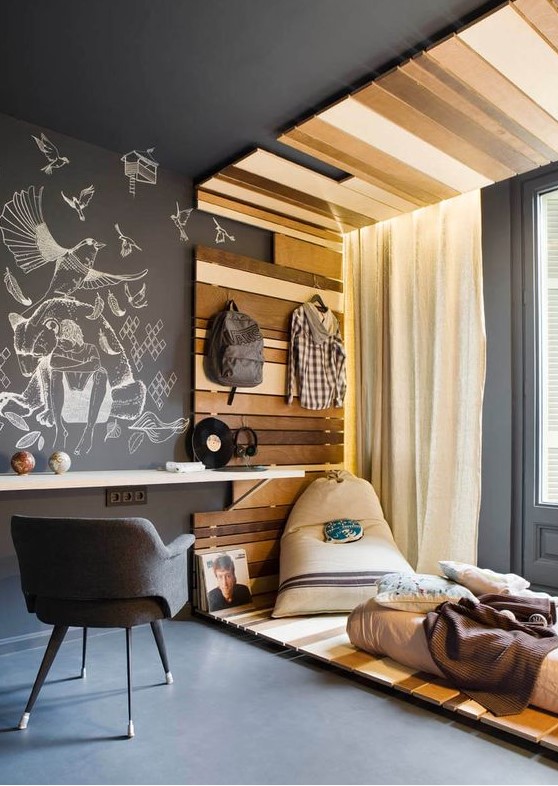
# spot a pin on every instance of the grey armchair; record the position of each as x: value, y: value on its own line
x: 102, y: 573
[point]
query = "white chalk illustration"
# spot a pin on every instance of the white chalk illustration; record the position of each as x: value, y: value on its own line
x: 135, y: 441
x: 80, y: 203
x: 112, y: 300
x: 136, y: 300
x: 140, y: 167
x: 28, y: 237
x: 180, y: 219
x: 113, y: 430
x: 78, y: 372
x: 127, y: 244
x: 14, y: 289
x: 55, y: 160
x: 27, y: 440
x: 98, y: 308
x: 152, y: 343
x: 156, y: 430
x: 159, y: 388
x: 221, y: 234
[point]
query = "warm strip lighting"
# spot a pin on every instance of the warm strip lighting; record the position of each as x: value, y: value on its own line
x: 298, y: 177
x: 365, y: 124
x: 511, y: 45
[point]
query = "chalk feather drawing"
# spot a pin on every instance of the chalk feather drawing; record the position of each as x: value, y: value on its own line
x: 14, y: 289
x: 28, y: 237
x: 140, y: 167
x: 157, y: 430
x: 136, y: 300
x: 79, y: 203
x: 55, y: 160
x: 180, y: 219
x: 112, y: 300
x: 78, y: 372
x: 127, y: 245
x: 221, y: 234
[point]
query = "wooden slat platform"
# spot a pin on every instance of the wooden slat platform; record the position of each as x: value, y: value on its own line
x: 324, y: 637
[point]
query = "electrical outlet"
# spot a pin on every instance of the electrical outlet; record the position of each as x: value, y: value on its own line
x: 126, y: 495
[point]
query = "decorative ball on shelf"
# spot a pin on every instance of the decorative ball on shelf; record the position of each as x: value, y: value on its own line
x: 59, y: 462
x: 22, y: 462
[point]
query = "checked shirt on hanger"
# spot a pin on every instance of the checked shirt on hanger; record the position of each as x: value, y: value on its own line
x: 316, y: 359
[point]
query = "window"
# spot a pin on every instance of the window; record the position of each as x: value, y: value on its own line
x: 547, y: 346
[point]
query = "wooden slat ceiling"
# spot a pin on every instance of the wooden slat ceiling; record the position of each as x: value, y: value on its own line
x: 479, y: 107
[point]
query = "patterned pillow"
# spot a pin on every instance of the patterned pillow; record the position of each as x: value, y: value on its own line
x: 483, y: 580
x: 342, y: 531
x: 418, y: 592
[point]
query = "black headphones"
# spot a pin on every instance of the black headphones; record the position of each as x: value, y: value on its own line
x: 248, y: 449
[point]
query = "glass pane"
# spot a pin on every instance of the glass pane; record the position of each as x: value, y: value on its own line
x: 548, y: 347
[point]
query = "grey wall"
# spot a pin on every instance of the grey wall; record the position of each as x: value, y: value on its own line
x: 169, y: 262
x: 496, y: 508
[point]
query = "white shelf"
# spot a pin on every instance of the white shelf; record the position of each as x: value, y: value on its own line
x: 37, y: 481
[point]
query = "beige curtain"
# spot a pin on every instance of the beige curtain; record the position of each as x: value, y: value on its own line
x: 416, y: 330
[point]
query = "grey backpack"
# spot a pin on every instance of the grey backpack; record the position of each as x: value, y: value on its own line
x: 234, y: 350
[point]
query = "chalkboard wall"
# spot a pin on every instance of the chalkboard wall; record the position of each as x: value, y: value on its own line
x: 96, y: 326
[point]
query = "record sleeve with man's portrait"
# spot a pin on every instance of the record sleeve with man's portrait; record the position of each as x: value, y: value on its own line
x: 224, y: 581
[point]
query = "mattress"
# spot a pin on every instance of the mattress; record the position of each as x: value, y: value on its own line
x: 400, y: 635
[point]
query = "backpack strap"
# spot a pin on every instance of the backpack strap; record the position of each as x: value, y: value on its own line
x: 231, y: 306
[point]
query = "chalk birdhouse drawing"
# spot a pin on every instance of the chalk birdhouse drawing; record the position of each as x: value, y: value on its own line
x: 140, y: 167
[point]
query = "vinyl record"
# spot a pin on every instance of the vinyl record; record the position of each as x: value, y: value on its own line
x: 212, y: 443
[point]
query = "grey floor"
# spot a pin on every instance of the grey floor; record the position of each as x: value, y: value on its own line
x: 239, y: 712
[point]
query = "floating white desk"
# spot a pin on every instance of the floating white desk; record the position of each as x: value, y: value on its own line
x: 40, y: 481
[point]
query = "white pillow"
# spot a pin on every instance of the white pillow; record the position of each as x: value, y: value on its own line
x: 418, y: 592
x: 317, y: 577
x: 483, y: 580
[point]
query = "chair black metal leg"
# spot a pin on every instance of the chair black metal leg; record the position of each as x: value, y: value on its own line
x: 157, y: 628
x: 83, y: 652
x: 56, y: 639
x: 129, y: 669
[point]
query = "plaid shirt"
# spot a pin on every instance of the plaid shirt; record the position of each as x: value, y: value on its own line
x: 316, y: 359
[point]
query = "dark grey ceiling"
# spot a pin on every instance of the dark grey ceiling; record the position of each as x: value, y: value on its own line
x: 202, y: 81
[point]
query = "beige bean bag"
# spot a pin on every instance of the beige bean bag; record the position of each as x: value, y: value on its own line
x: 318, y: 577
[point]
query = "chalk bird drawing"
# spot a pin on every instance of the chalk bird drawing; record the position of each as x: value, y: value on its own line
x: 55, y: 160
x: 27, y: 236
x: 138, y: 300
x: 180, y: 220
x: 80, y: 203
x: 221, y: 234
x: 127, y: 244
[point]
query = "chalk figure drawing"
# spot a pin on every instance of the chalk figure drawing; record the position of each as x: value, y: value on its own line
x: 77, y: 367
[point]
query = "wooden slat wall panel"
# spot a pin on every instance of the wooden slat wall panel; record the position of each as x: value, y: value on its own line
x: 288, y: 435
x: 311, y: 265
x: 319, y: 261
x: 215, y: 403
x: 265, y: 219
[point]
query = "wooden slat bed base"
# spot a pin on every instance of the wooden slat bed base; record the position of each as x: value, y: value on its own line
x: 324, y: 638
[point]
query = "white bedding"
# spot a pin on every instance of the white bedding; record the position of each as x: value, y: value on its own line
x: 400, y: 635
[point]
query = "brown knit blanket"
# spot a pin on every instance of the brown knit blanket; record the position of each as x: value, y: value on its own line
x: 492, y: 658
